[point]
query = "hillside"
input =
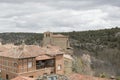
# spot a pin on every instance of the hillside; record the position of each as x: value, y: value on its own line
x: 100, y: 47
x: 96, y: 52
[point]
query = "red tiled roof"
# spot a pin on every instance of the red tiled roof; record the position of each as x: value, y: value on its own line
x: 2, y: 48
x: 84, y: 77
x: 59, y: 35
x: 30, y: 51
x: 22, y: 78
x: 6, y: 47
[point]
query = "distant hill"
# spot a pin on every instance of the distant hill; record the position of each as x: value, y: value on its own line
x: 18, y: 38
x: 103, y: 47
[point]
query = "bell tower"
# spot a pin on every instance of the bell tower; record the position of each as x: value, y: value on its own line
x: 47, y: 38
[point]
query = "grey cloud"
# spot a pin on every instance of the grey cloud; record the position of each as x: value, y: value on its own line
x: 67, y: 3
x: 58, y: 15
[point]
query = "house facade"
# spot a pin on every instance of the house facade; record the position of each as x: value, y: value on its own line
x: 30, y: 61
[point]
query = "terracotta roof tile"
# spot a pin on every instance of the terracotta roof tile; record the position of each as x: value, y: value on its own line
x: 29, y: 51
x: 2, y: 48
x: 22, y: 78
x: 84, y: 77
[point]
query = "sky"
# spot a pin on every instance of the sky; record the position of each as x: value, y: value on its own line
x: 58, y: 15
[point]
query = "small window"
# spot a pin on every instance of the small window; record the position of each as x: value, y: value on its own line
x: 7, y: 77
x: 31, y: 76
x: 29, y: 64
x: 59, y: 67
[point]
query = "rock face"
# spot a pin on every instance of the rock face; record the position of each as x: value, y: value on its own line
x: 86, y: 59
x: 117, y: 34
x: 82, y: 64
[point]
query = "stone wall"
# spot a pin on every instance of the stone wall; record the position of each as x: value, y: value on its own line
x: 8, y: 67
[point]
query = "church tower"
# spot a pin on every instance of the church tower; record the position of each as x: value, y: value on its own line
x: 47, y: 40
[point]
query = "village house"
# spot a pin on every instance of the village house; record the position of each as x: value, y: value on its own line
x: 30, y: 61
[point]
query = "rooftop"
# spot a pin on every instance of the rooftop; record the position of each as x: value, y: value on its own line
x: 22, y: 78
x: 58, y: 35
x: 76, y: 76
x: 25, y: 51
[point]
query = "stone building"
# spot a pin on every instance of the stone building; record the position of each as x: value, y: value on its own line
x: 68, y: 61
x: 30, y: 61
x: 62, y: 42
x: 56, y: 40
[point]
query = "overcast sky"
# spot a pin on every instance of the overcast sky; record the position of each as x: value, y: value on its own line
x: 58, y: 15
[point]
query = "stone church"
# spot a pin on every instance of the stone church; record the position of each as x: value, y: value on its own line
x: 56, y: 40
